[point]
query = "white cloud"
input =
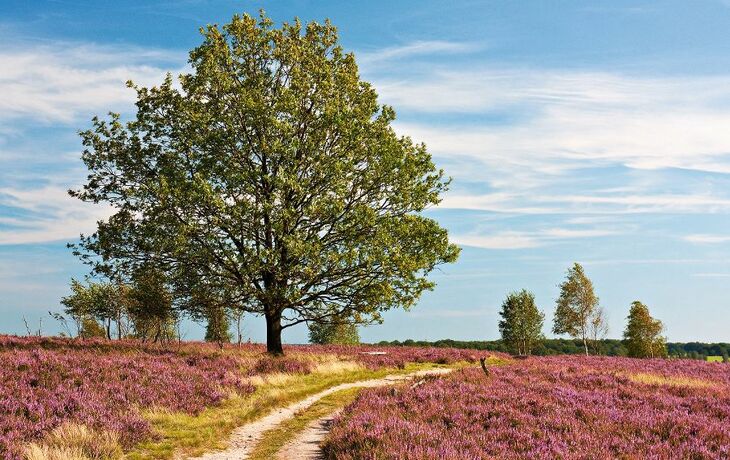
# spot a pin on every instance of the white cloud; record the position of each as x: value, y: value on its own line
x: 417, y: 48
x: 48, y: 214
x: 453, y: 313
x: 526, y: 240
x: 707, y: 239
x: 667, y: 203
x: 555, y: 139
x: 502, y: 240
x: 58, y: 83
x: 550, y: 131
x: 522, y: 203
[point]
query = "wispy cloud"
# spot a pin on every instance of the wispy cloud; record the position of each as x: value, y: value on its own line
x: 565, y: 119
x: 454, y: 313
x: 549, y: 144
x: 712, y: 275
x: 501, y: 240
x: 57, y: 85
x: 522, y: 203
x: 546, y: 141
x: 525, y: 240
x: 47, y: 214
x: 412, y: 49
x: 707, y: 239
x: 60, y: 82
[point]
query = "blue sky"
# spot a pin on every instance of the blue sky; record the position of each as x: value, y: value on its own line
x: 596, y: 132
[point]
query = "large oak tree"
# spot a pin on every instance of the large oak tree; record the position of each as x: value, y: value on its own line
x: 269, y: 176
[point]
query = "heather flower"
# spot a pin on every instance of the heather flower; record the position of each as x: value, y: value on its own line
x: 106, y: 385
x: 557, y: 407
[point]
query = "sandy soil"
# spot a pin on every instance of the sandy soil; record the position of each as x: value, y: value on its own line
x: 306, y: 445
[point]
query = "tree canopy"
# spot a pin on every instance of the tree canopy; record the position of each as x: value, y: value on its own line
x: 337, y: 332
x: 93, y: 303
x: 643, y: 333
x: 577, y: 312
x: 270, y: 178
x: 521, y: 324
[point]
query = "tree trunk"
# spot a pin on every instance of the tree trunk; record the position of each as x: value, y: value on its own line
x: 585, y: 345
x: 273, y: 333
x: 238, y: 328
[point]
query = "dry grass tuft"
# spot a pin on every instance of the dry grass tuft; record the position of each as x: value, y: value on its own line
x: 75, y: 442
x: 338, y: 367
x: 655, y: 379
x: 322, y: 367
x: 43, y: 452
x: 276, y: 379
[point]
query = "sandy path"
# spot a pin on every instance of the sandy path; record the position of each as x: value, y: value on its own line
x: 306, y: 445
x: 245, y: 437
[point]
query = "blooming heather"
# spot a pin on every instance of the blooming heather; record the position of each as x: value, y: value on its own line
x: 375, y: 357
x: 558, y: 407
x: 40, y: 389
x: 105, y: 385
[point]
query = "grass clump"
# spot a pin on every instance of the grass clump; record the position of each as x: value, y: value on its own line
x: 71, y: 441
x: 675, y: 381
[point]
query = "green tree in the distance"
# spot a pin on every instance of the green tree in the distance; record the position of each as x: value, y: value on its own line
x: 151, y: 306
x: 336, y: 332
x: 577, y: 313
x: 217, y: 327
x: 272, y: 174
x: 643, y: 333
x: 100, y: 303
x: 521, y: 324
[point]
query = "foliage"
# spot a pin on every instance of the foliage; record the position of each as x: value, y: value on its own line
x: 598, y: 330
x: 609, y: 347
x: 97, y: 302
x: 577, y: 313
x: 90, y: 328
x: 521, y: 324
x: 643, y: 333
x: 553, y: 407
x: 217, y: 329
x: 338, y: 332
x: 271, y: 173
x: 151, y: 308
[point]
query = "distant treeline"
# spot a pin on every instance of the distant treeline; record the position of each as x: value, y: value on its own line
x: 608, y: 347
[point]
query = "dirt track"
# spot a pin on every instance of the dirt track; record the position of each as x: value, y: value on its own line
x: 306, y: 445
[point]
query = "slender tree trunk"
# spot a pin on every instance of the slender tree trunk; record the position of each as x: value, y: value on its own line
x: 585, y: 344
x: 119, y: 325
x: 273, y: 332
x: 238, y: 328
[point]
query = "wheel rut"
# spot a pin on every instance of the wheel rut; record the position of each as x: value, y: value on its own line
x: 306, y: 445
